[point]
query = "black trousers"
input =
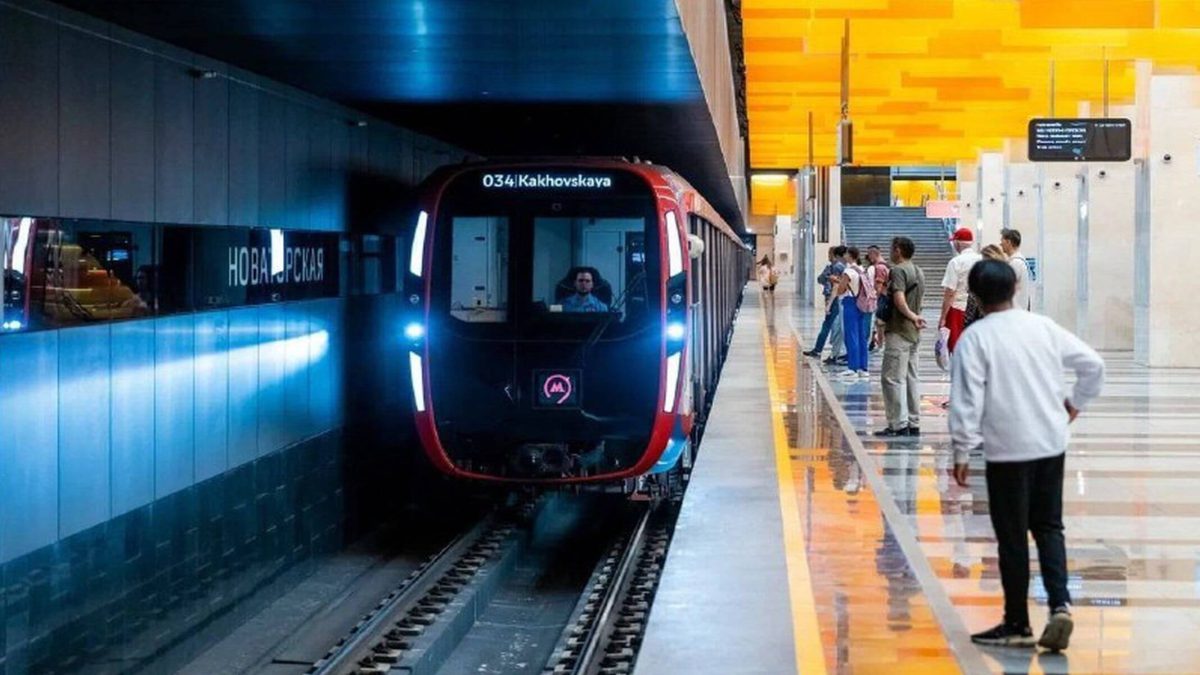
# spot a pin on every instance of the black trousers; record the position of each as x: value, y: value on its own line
x: 1026, y: 497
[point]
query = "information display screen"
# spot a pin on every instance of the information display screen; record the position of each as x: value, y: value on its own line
x: 1080, y: 140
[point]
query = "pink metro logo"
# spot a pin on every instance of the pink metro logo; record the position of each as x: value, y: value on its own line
x: 556, y: 388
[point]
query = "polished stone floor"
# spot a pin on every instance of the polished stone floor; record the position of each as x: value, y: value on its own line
x: 1132, y: 514
x: 886, y: 565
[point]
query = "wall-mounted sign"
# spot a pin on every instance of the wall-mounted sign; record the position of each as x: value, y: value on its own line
x: 942, y: 208
x: 237, y: 266
x: 1080, y: 140
x: 543, y: 180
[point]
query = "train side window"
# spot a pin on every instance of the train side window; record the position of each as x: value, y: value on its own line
x: 479, y: 272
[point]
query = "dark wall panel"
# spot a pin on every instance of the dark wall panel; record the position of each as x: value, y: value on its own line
x: 173, y: 143
x: 272, y: 175
x: 243, y: 155
x: 339, y: 159
x: 174, y: 404
x: 132, y: 152
x: 212, y: 151
x: 29, y: 451
x: 83, y: 123
x: 132, y: 416
x: 212, y: 394
x: 83, y: 402
x: 28, y: 114
x: 321, y: 172
x: 297, y: 154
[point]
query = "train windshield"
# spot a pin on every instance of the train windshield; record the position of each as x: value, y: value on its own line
x: 554, y: 258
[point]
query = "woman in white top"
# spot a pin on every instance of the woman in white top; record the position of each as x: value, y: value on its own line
x: 767, y: 276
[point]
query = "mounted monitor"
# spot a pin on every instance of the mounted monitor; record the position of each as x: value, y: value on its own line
x: 1080, y: 140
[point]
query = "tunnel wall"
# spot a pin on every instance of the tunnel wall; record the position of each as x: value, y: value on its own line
x: 157, y: 470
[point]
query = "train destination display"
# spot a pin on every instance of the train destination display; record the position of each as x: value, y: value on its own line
x: 1080, y: 140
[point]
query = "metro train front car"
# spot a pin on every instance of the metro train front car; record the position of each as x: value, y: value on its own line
x: 547, y: 325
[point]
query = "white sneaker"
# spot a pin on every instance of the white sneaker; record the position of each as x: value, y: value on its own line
x: 864, y: 375
x: 847, y: 376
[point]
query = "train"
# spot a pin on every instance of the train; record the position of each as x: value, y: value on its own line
x: 566, y: 320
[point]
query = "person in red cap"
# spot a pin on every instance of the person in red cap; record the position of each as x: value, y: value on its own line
x: 954, y: 284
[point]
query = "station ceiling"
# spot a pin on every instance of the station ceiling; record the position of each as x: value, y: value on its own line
x: 534, y: 77
x: 935, y: 81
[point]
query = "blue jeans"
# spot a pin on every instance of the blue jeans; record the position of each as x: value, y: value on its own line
x: 831, y: 317
x: 856, y: 342
x: 868, y: 321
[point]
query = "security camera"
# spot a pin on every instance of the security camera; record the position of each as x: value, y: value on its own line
x: 1103, y: 173
x: 1057, y: 184
x: 1020, y: 193
x: 1167, y: 157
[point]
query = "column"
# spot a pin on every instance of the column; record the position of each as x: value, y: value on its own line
x: 1174, y: 201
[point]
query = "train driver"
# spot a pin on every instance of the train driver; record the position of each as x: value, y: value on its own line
x: 583, y: 300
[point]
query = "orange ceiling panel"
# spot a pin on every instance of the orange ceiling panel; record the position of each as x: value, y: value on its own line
x: 939, y: 80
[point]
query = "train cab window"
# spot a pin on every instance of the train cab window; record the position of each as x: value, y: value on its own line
x: 589, y: 265
x: 479, y: 276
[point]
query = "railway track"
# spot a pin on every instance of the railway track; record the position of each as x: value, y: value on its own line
x: 515, y: 592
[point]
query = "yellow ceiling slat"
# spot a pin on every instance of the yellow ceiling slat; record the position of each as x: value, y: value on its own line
x: 938, y: 80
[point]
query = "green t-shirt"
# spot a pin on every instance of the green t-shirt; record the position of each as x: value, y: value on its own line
x: 910, y: 280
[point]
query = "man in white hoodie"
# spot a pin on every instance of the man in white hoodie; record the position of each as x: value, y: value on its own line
x: 1008, y: 398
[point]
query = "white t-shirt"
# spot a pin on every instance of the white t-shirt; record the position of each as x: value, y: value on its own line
x: 1007, y: 387
x: 956, y: 276
x: 1024, y: 296
x: 853, y: 278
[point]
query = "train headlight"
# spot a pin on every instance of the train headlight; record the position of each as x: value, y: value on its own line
x: 416, y: 257
x: 672, y: 382
x: 674, y: 245
x: 414, y: 331
x: 11, y: 325
x: 417, y: 371
x: 676, y: 331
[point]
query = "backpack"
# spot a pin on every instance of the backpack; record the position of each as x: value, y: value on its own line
x: 866, y: 299
x: 885, y: 307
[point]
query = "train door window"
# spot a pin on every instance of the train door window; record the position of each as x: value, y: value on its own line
x: 609, y: 251
x: 479, y: 276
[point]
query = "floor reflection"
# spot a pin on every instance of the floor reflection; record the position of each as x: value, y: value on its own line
x: 1131, y: 509
x: 872, y: 612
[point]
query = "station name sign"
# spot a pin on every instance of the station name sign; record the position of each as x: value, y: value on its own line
x: 1080, y: 140
x: 542, y: 180
x: 275, y: 264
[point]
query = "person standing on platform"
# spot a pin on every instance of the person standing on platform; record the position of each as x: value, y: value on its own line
x: 1007, y: 398
x: 837, y: 341
x: 974, y: 309
x: 852, y: 318
x: 1010, y: 242
x: 954, y: 285
x: 902, y: 337
x: 832, y: 309
x: 878, y: 273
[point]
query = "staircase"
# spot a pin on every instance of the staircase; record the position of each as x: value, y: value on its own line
x: 866, y: 225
